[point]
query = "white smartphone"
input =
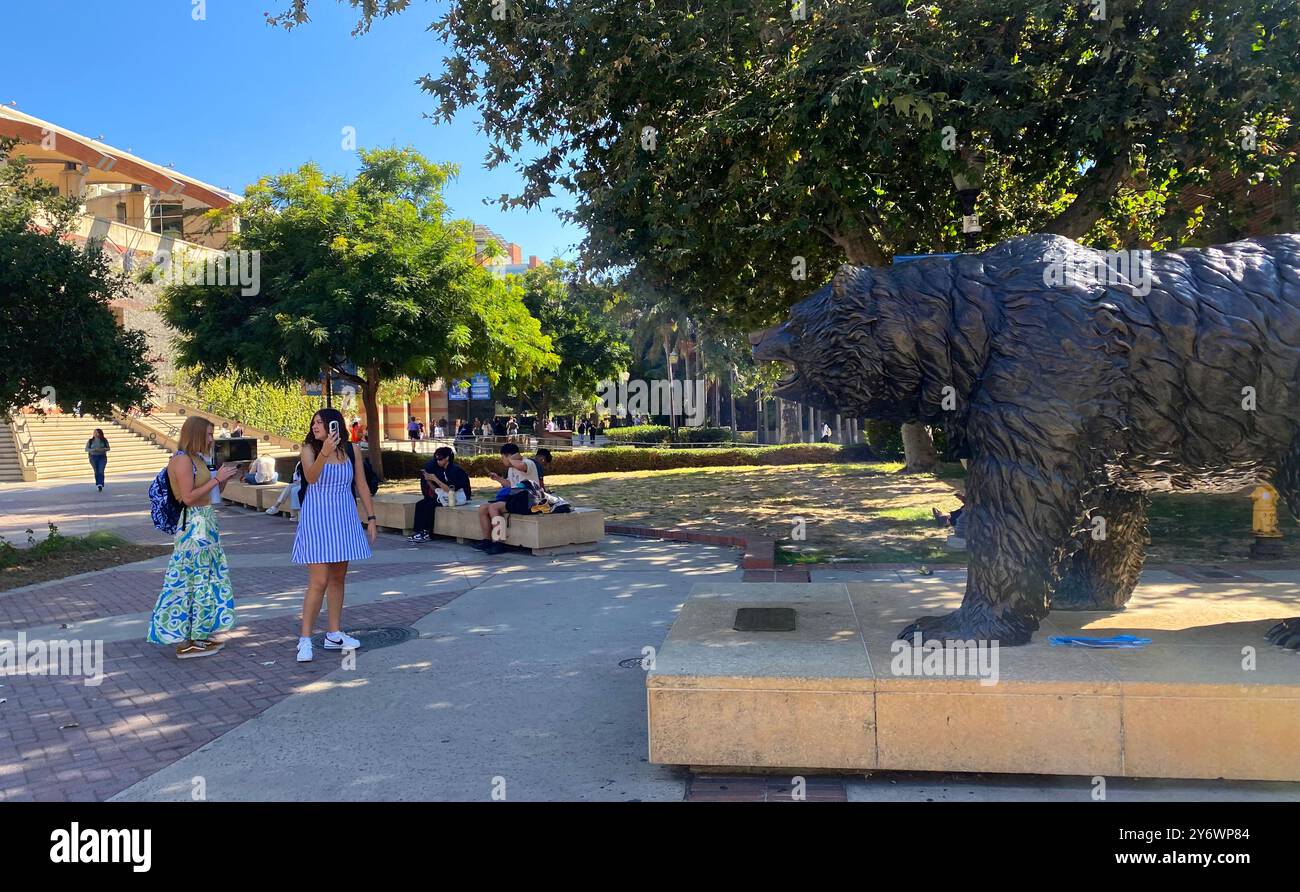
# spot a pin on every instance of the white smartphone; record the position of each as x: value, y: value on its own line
x: 334, y: 428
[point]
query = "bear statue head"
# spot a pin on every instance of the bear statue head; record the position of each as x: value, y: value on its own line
x: 854, y: 346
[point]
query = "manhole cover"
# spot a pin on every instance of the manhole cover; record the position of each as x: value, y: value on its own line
x: 373, y: 637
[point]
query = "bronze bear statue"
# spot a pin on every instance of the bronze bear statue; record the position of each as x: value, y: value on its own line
x: 1076, y: 382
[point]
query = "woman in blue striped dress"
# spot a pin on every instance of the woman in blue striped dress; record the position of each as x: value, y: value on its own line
x: 329, y: 532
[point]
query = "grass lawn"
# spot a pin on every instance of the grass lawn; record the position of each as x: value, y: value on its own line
x: 869, y: 512
x: 58, y: 556
x: 858, y: 512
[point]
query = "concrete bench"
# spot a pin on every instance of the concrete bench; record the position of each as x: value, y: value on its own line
x: 579, y: 530
x: 260, y: 496
x: 394, y: 511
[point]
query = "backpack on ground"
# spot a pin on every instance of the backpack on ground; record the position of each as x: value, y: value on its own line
x: 165, y: 509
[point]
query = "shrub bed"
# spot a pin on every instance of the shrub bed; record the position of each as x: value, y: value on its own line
x: 400, y: 465
x: 662, y: 433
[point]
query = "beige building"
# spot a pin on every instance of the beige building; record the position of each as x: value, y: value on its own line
x: 137, y: 210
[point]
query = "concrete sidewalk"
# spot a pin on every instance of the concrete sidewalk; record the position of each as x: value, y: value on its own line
x: 514, y: 684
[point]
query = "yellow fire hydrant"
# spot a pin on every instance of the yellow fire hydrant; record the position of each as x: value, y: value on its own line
x: 1264, y: 518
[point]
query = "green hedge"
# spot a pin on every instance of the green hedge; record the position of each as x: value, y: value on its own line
x: 640, y: 433
x: 662, y: 433
x: 400, y: 465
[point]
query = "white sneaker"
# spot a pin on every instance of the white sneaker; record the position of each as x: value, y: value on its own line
x: 304, y: 650
x: 272, y: 510
x: 344, y: 641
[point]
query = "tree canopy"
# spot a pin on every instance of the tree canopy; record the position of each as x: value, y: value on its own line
x: 579, y: 315
x: 736, y: 152
x: 367, y: 278
x: 58, y: 335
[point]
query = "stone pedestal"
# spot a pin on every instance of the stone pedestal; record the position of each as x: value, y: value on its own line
x: 839, y: 694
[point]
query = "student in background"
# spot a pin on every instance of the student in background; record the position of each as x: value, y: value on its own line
x: 542, y: 458
x: 97, y: 449
x: 441, y: 480
x: 290, y: 494
x: 262, y: 471
x: 518, y: 469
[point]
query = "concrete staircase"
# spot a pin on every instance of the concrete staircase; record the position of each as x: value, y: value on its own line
x: 10, y: 470
x: 60, y: 445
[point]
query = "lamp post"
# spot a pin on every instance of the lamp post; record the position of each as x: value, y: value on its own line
x: 968, y: 185
x: 672, y: 392
x: 731, y: 397
x: 623, y: 378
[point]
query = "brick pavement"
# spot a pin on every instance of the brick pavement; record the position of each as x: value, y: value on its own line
x: 61, y: 740
x: 124, y: 590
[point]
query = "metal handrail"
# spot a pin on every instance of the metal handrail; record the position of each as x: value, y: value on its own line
x: 26, y: 449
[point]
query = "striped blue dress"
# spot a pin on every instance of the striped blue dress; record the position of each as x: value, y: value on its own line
x: 328, y: 527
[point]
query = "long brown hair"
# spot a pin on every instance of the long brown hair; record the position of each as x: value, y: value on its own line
x: 326, y: 416
x: 193, y: 441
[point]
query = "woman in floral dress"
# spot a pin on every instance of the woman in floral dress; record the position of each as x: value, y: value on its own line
x: 196, y: 600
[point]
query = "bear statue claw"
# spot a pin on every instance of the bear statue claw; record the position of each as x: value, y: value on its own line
x: 966, y: 625
x: 1285, y: 634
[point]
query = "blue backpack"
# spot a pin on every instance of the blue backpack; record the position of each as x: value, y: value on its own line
x: 165, y: 509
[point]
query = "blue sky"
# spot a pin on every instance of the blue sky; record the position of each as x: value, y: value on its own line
x: 230, y: 98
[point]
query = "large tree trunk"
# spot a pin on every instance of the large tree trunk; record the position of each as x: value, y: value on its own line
x: 1095, y: 193
x: 918, y: 449
x: 374, y: 431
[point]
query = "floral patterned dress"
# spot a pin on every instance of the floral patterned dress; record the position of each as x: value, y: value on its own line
x: 196, y: 600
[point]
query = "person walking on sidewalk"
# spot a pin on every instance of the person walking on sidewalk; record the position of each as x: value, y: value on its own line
x: 329, y: 535
x: 97, y: 448
x: 196, y: 600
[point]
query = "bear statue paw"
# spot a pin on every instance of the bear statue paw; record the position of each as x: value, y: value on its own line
x: 966, y: 625
x: 1285, y: 634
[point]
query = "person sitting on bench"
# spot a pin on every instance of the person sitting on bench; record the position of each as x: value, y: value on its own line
x: 542, y: 458
x: 262, y: 472
x: 441, y: 477
x: 513, y: 498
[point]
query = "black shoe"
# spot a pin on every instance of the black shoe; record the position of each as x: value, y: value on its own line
x: 481, y: 544
x: 101, y: 487
x: 494, y: 548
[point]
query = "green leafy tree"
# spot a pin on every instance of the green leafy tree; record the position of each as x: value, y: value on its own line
x: 740, y: 152
x: 578, y: 314
x: 58, y: 336
x: 365, y: 278
x: 282, y: 409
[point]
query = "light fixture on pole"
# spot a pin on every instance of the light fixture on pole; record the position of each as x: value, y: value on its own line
x: 968, y: 185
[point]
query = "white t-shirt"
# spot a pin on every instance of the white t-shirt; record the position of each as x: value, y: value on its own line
x: 516, y: 477
x: 263, y: 468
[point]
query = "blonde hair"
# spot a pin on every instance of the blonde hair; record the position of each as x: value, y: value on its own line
x: 193, y: 441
